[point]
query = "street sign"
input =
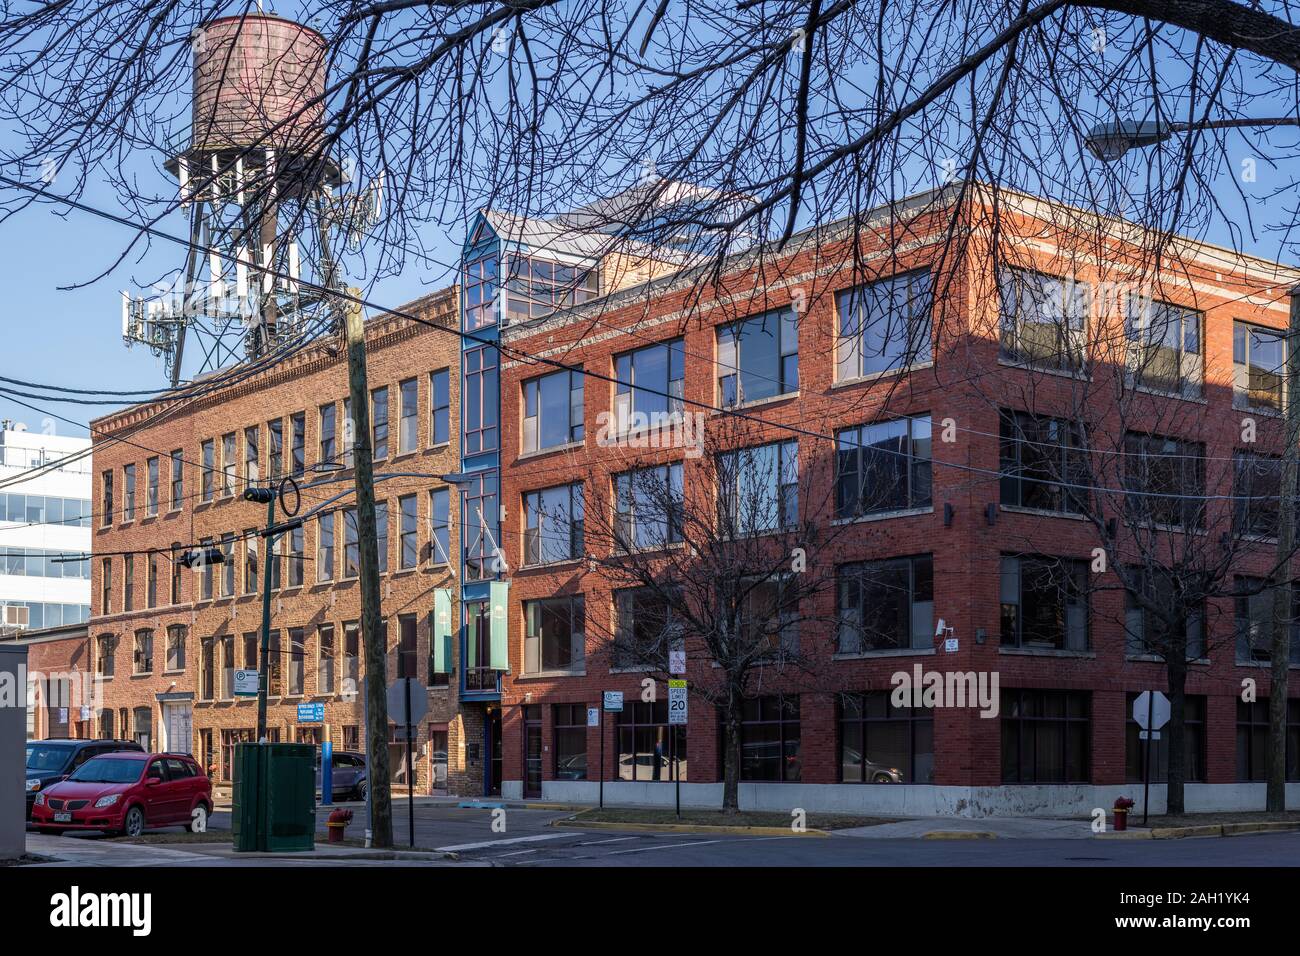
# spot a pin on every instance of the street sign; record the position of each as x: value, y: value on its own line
x: 397, y: 700
x: 677, y: 708
x: 246, y: 683
x: 950, y: 645
x: 677, y: 658
x: 1148, y: 735
x: 311, y: 713
x: 593, y: 716
x: 1155, y: 704
x: 613, y: 701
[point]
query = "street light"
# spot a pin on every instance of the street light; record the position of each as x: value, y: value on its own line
x: 1110, y: 141
x: 270, y: 497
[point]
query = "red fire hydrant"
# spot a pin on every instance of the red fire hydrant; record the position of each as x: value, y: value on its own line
x: 337, y: 823
x: 1122, y: 807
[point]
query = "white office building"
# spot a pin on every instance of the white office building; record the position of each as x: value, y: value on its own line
x: 45, y: 515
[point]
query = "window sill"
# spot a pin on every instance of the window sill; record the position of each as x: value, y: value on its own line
x: 552, y: 565
x: 1161, y: 393
x: 1078, y: 375
x: 1041, y: 512
x: 755, y: 403
x: 889, y: 652
x: 550, y: 675
x: 142, y: 674
x: 884, y: 515
x: 1154, y: 659
x: 877, y: 376
x: 551, y: 450
x: 440, y: 446
x: 1264, y: 665
x: 1047, y: 652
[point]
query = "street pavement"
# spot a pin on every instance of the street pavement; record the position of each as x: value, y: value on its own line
x: 456, y: 836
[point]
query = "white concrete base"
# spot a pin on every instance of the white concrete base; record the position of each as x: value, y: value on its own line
x: 907, y: 800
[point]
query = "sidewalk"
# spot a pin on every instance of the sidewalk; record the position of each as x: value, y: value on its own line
x: 958, y: 828
x: 76, y: 851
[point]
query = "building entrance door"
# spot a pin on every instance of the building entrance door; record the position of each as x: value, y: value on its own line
x: 178, y: 729
x: 533, y: 751
x: 492, y: 731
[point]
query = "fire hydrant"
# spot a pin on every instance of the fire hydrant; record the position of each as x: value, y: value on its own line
x: 1122, y: 807
x: 337, y: 823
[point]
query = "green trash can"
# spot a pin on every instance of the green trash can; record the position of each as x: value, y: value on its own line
x: 274, y: 798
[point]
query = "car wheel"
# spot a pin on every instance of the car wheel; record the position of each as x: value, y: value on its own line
x: 883, y: 778
x: 361, y: 791
x: 199, y: 819
x: 133, y: 824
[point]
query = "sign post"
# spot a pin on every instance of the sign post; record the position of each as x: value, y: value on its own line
x: 410, y: 698
x: 612, y: 701
x: 677, y: 712
x: 1151, y: 712
x: 327, y: 772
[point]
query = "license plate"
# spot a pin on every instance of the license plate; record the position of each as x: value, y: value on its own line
x: 64, y: 817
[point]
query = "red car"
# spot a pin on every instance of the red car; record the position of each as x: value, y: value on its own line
x: 126, y: 793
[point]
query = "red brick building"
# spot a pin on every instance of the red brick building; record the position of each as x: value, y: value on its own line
x: 169, y: 478
x: 968, y: 562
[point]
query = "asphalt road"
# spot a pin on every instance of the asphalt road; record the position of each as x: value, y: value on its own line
x: 528, y: 840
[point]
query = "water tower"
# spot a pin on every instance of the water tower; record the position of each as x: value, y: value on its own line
x: 257, y: 182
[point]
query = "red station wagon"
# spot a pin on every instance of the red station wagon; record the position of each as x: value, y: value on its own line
x: 127, y: 793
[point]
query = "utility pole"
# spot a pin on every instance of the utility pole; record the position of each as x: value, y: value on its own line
x: 376, y: 650
x: 1280, y: 652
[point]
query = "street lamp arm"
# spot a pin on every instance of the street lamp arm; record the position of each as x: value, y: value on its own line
x: 1110, y: 141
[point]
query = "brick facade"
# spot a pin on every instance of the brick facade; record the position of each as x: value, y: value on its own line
x: 965, y: 528
x: 398, y: 350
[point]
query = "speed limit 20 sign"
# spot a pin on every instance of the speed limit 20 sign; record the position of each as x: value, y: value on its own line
x: 677, y: 702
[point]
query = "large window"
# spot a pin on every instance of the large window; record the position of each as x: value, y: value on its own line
x: 208, y: 669
x: 128, y: 492
x: 229, y: 465
x: 552, y: 410
x: 648, y: 507
x: 481, y: 293
x: 883, y: 467
x: 176, y: 647
x: 1258, y: 366
x: 644, y: 747
x: 569, y: 733
x: 295, y: 539
x: 553, y: 524
x: 297, y: 661
x: 480, y: 400
x: 440, y: 526
x: 177, y: 480
x: 142, y: 656
x: 351, y: 658
x: 275, y: 448
x: 886, y: 605
x: 408, y: 532
x: 1256, y: 491
x: 644, y: 628
x: 1193, y: 744
x: 1044, y: 319
x: 207, y: 453
x: 1254, y: 621
x: 440, y: 406
x: 535, y: 287
x: 1166, y: 480
x: 1147, y: 632
x: 298, y: 441
x: 252, y: 468
x: 481, y: 528
x: 1165, y: 346
x: 1046, y: 736
x: 884, y: 325
x: 651, y: 383
x: 1252, y: 740
x: 408, y: 432
x: 228, y: 564
x: 1044, y: 603
x: 151, y: 490
x: 379, y: 423
x: 328, y: 433
x: 758, y: 488
x: 273, y: 665
x: 554, y: 635
x: 325, y: 547
x: 769, y: 739
x: 325, y: 659
x: 407, y: 657
x: 758, y: 358
x: 251, y: 545
x: 1043, y: 463
x: 106, y: 498
x: 881, y: 743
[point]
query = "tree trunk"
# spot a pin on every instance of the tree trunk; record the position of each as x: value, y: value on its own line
x: 731, y: 758
x: 1280, y: 653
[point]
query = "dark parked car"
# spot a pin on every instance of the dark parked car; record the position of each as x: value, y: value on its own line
x: 49, y: 761
x: 127, y: 792
x: 348, y: 780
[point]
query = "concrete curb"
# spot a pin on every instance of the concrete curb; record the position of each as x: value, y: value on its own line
x: 686, y: 828
x: 1201, y: 830
x: 1267, y: 826
x: 959, y: 835
x: 1123, y: 835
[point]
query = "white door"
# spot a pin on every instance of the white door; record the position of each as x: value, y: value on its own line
x: 178, y: 729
